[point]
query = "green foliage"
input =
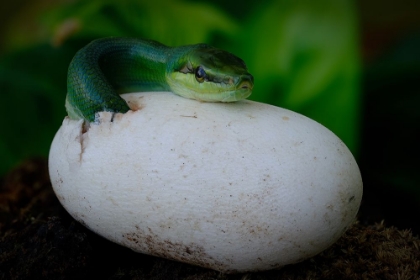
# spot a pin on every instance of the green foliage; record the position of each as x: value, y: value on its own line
x: 32, y: 86
x: 170, y: 22
x: 306, y: 59
x: 303, y: 55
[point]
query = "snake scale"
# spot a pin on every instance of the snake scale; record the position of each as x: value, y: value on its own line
x: 108, y: 67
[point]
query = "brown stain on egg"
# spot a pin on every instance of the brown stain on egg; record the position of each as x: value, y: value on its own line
x: 134, y: 102
x: 146, y: 241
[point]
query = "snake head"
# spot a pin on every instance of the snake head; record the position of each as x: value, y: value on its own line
x: 210, y: 74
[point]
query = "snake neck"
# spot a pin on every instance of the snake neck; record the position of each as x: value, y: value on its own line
x: 133, y: 65
x: 108, y: 67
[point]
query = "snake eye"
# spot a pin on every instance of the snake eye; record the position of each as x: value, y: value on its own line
x: 200, y: 74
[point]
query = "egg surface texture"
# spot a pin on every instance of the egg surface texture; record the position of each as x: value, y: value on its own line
x: 234, y: 187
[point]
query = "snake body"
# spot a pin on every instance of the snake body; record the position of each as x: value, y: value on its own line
x: 107, y: 67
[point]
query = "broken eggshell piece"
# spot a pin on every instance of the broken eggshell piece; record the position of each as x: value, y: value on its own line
x: 234, y: 187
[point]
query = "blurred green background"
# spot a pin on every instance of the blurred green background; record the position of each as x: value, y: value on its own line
x: 352, y: 66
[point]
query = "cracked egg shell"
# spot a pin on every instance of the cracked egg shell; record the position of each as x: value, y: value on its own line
x: 234, y: 187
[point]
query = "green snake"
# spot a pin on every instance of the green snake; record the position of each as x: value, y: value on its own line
x: 107, y: 67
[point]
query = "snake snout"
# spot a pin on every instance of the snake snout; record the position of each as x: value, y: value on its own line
x: 247, y: 82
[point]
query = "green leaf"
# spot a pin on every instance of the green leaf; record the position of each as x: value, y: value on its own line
x: 170, y: 22
x: 304, y: 57
x: 33, y: 88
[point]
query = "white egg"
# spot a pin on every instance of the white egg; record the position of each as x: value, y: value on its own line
x: 234, y: 187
